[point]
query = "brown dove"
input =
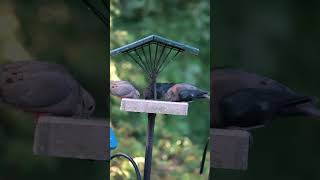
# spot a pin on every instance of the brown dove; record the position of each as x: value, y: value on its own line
x: 43, y: 88
x: 123, y: 89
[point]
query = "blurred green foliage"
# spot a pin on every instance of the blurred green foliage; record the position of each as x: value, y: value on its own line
x: 179, y: 141
x: 57, y: 31
x: 280, y: 40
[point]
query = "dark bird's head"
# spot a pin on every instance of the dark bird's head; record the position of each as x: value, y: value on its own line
x: 190, y: 95
x: 88, y: 103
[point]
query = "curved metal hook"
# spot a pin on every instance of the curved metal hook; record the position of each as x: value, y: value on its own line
x: 135, y: 166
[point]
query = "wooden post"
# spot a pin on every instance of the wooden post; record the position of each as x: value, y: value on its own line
x: 72, y: 138
x: 229, y: 149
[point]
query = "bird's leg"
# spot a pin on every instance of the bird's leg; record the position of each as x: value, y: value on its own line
x: 87, y: 116
x: 36, y: 118
x: 250, y: 139
x: 245, y: 128
x: 253, y: 127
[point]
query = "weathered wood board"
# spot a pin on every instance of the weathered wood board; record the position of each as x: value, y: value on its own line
x: 152, y: 106
x: 229, y: 149
x: 72, y: 138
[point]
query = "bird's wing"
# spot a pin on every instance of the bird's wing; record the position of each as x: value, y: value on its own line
x: 122, y: 90
x: 30, y: 66
x: 30, y: 88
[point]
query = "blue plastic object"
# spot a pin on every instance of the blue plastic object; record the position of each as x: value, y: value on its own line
x: 113, y: 140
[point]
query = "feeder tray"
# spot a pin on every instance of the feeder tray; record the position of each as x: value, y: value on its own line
x: 152, y: 106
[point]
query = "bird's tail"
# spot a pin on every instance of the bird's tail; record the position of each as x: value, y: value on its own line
x: 303, y: 105
x: 297, y: 100
x: 309, y: 110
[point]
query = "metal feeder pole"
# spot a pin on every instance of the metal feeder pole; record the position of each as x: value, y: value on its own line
x: 149, y: 145
x: 150, y: 135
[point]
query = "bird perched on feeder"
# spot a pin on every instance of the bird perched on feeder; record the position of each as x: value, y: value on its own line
x: 247, y: 100
x: 123, y: 89
x: 161, y: 89
x: 43, y: 88
x: 184, y: 92
x: 244, y: 100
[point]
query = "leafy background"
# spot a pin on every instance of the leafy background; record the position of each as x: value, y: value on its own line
x: 57, y: 31
x: 278, y: 39
x: 179, y: 141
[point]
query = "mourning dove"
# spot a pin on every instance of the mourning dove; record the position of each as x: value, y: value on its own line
x: 43, y: 88
x: 123, y: 89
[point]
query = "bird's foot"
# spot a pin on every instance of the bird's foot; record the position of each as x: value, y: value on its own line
x: 250, y: 140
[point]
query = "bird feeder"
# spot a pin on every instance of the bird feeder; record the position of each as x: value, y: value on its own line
x: 152, y: 54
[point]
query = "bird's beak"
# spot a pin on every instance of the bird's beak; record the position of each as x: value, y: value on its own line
x: 207, y: 96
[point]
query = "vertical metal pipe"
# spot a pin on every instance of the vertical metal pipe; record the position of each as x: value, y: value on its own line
x: 150, y: 134
x: 155, y: 90
x: 149, y: 144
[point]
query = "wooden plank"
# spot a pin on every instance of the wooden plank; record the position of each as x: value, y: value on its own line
x: 72, y: 138
x: 152, y: 106
x: 229, y: 149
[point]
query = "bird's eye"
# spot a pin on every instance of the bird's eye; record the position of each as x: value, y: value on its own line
x: 90, y: 108
x: 263, y: 82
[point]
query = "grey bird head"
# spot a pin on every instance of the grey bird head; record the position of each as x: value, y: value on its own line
x: 88, y: 103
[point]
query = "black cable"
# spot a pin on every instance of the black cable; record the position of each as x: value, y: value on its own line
x: 97, y: 12
x: 135, y: 166
x: 204, y: 156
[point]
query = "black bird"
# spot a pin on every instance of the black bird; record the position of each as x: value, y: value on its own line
x: 247, y: 100
x: 184, y: 92
x: 176, y: 92
x: 161, y: 89
x: 244, y: 100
